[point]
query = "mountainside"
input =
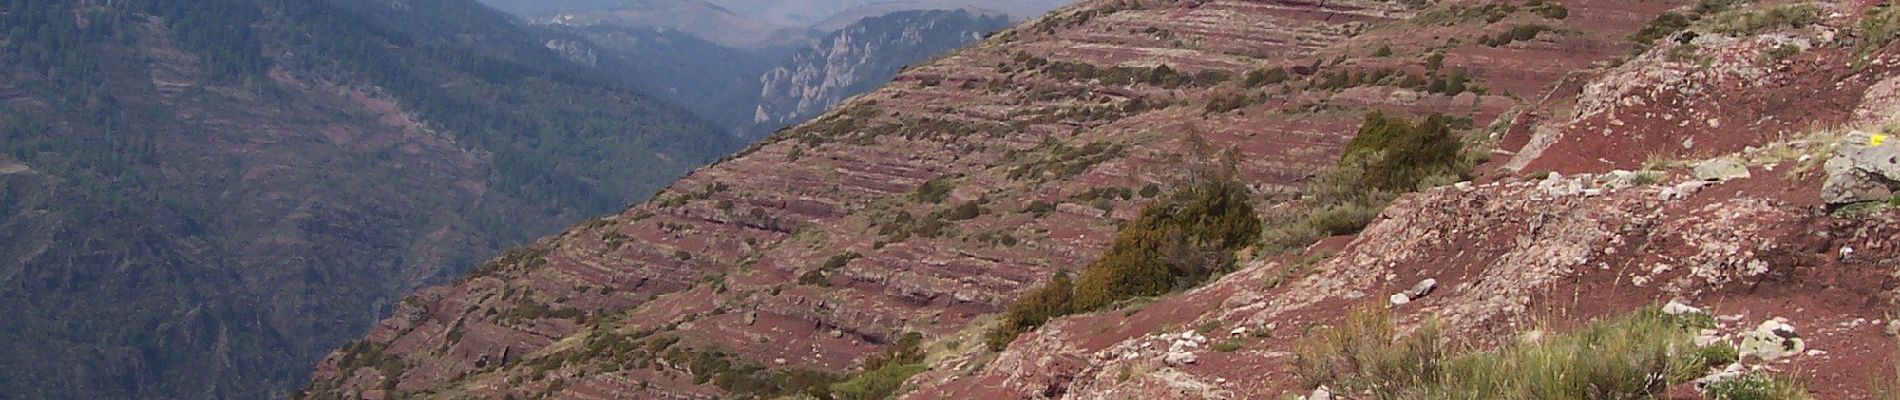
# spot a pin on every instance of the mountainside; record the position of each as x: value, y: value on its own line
x: 698, y: 18
x: 203, y: 196
x: 1732, y: 160
x: 755, y: 80
x: 860, y: 57
x: 716, y: 82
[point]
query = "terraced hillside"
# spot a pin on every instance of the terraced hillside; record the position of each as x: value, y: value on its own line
x: 928, y: 204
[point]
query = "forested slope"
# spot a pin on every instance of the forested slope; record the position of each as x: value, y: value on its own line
x: 199, y: 197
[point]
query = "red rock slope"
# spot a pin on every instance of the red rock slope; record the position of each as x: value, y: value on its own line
x: 1518, y: 253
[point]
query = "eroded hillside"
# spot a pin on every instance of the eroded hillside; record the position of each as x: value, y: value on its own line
x: 1690, y: 175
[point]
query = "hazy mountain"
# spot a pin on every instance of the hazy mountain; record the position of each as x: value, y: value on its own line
x: 753, y: 76
x: 1015, y: 9
x: 533, y: 8
x: 698, y: 18
x: 717, y: 82
x: 200, y: 197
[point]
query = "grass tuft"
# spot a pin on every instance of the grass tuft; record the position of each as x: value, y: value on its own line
x: 1636, y: 356
x: 1754, y: 386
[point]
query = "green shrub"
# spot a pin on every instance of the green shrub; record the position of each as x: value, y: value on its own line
x: 1389, y: 156
x: 1162, y: 75
x: 1032, y: 310
x: 965, y: 211
x: 1229, y: 346
x: 1662, y: 26
x: 1222, y: 103
x: 1401, y: 154
x: 1671, y: 22
x: 1150, y: 191
x: 820, y: 275
x: 1684, y: 53
x: 1039, y: 208
x: 1177, y: 242
x: 1180, y: 240
x: 1879, y: 25
x: 1549, y: 10
x: 885, y: 372
x: 876, y: 384
x: 1061, y: 161
x: 1697, y: 320
x: 1451, y: 84
x: 1263, y: 77
x: 934, y: 191
x: 1517, y: 33
x: 1754, y: 386
x: 1718, y: 353
x: 1741, y: 22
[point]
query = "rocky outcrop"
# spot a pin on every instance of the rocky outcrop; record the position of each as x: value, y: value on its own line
x: 1864, y: 167
x: 860, y: 57
x: 1508, y: 257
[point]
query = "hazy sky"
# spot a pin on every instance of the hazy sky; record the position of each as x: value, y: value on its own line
x: 777, y: 12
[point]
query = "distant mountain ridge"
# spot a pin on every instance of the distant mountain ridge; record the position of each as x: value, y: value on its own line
x: 702, y: 19
x: 754, y: 76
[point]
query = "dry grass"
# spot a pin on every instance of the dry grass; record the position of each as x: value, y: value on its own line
x: 1889, y: 389
x: 1636, y: 356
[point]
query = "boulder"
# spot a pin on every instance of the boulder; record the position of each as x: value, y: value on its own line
x: 1418, y: 290
x: 1681, y: 190
x: 1321, y: 393
x: 1772, y: 340
x: 1556, y: 185
x: 1864, y: 167
x: 1720, y: 169
x: 1422, y: 288
x: 1620, y: 179
x: 1731, y: 372
x: 1178, y: 358
x: 1678, y: 308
